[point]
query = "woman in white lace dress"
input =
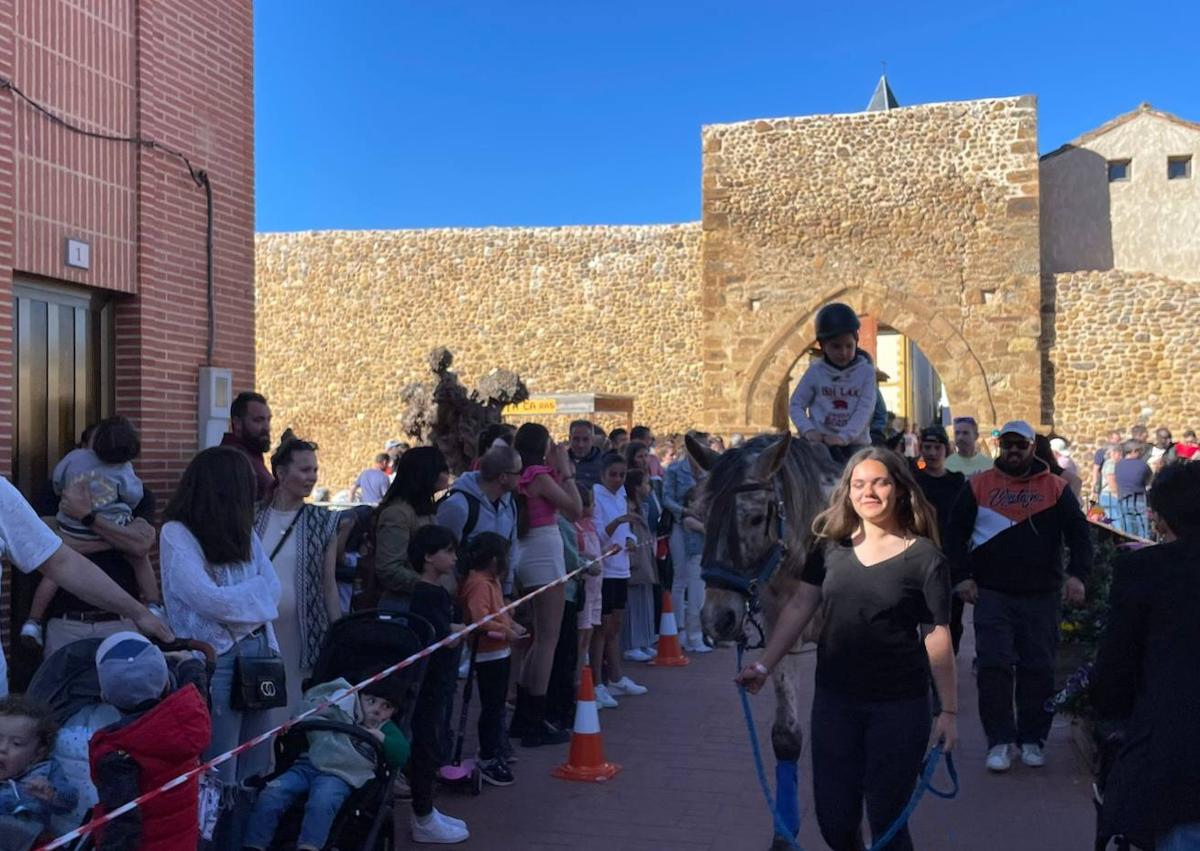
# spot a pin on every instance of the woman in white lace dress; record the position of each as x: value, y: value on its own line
x: 220, y: 588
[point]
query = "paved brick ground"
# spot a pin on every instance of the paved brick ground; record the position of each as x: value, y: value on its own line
x: 688, y: 782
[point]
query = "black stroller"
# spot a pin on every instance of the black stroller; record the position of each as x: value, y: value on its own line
x: 357, y: 646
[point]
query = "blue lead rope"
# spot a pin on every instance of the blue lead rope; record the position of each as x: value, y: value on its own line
x: 781, y: 830
x: 925, y: 784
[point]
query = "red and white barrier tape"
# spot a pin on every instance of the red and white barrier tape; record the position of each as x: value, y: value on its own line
x: 91, y: 826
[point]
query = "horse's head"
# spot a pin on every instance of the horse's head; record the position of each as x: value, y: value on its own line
x: 760, y: 501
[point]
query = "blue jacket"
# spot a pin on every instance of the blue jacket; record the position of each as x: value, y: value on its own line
x: 16, y: 800
x: 677, y: 481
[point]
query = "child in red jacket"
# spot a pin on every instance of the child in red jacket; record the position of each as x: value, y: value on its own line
x: 157, y: 739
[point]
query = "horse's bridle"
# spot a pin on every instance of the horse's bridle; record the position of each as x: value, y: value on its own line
x: 723, y: 575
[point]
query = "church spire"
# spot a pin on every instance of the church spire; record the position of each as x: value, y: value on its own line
x: 883, y: 98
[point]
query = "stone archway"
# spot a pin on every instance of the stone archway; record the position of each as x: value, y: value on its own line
x: 960, y: 369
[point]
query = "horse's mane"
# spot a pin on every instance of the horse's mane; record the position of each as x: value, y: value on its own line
x: 806, y: 465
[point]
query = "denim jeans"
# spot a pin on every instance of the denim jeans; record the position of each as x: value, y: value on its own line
x: 231, y: 727
x: 1184, y: 837
x: 326, y: 794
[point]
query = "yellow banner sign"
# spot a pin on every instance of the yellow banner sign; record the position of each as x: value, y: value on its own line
x: 532, y: 407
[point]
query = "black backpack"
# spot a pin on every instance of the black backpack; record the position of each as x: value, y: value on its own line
x: 474, y: 503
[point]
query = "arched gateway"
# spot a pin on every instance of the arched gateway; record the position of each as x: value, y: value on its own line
x: 926, y: 218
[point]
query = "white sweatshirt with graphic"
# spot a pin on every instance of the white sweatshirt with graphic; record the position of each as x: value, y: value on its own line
x: 836, y: 401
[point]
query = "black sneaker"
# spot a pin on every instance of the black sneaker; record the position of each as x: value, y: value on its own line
x: 496, y: 772
x: 547, y: 735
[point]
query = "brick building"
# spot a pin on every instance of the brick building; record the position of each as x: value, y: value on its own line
x: 103, y: 284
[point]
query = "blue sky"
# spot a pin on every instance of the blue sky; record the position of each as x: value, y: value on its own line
x: 405, y: 114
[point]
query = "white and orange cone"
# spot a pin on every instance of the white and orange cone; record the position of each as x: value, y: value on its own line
x: 670, y: 654
x: 586, y: 761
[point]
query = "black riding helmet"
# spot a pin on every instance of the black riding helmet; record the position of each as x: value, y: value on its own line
x: 835, y: 319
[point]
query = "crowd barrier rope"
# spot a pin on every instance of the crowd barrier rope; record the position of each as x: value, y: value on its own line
x: 100, y: 821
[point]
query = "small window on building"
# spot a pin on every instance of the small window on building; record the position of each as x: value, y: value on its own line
x: 1119, y: 170
x: 1179, y: 168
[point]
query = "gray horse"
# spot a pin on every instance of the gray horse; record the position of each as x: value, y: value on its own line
x: 760, y: 501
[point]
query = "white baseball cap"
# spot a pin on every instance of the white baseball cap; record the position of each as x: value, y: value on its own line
x: 1020, y: 427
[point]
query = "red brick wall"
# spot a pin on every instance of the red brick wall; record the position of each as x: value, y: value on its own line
x: 179, y: 73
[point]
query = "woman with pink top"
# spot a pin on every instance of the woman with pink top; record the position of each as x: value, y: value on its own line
x: 546, y: 487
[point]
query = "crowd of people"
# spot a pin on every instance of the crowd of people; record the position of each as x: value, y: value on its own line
x: 254, y: 570
x: 917, y: 528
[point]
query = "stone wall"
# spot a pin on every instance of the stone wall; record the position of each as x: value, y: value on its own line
x: 1123, y: 352
x: 346, y: 318
x: 924, y: 217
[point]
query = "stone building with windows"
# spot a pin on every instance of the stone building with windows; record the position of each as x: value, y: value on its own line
x: 996, y: 283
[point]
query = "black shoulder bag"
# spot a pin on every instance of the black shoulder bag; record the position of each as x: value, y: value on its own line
x: 260, y: 682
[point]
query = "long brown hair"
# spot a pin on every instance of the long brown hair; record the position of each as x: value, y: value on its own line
x: 913, y: 512
x: 215, y: 501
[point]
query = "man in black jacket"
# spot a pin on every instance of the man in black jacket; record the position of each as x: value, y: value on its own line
x: 1004, y: 543
x: 942, y: 488
x: 1147, y: 670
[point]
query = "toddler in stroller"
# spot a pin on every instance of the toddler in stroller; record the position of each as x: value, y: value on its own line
x: 157, y: 738
x: 335, y: 764
x: 85, y: 705
x: 345, y: 757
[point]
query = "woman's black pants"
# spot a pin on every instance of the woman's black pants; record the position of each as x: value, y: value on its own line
x: 865, y: 751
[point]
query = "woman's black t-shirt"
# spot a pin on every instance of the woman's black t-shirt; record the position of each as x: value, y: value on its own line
x: 870, y: 645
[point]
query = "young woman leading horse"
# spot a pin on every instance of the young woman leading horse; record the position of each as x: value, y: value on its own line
x: 877, y: 577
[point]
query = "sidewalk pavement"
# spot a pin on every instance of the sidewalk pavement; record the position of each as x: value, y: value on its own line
x: 688, y: 780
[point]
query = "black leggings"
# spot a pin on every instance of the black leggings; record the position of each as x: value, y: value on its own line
x: 492, y: 678
x: 865, y: 750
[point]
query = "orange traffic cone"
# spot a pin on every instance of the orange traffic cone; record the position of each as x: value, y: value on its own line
x: 669, y: 653
x: 586, y: 760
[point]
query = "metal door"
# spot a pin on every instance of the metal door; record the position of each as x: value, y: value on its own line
x: 64, y: 378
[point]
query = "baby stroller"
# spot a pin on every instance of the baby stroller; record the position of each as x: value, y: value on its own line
x: 357, y: 646
x: 67, y: 682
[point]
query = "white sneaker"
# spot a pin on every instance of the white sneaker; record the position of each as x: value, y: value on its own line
x: 637, y: 654
x: 698, y: 646
x: 1032, y: 756
x: 31, y: 634
x: 626, y: 686
x: 439, y: 829
x: 998, y: 758
x: 604, y: 700
x: 650, y: 651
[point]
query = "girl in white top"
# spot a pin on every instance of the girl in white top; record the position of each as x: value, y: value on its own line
x: 220, y: 588
x: 612, y: 525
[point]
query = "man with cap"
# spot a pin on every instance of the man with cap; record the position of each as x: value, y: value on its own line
x: 1004, y: 542
x: 157, y: 739
x: 942, y: 488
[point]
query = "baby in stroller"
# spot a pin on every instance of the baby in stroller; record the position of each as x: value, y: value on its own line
x: 365, y: 734
x: 335, y: 764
